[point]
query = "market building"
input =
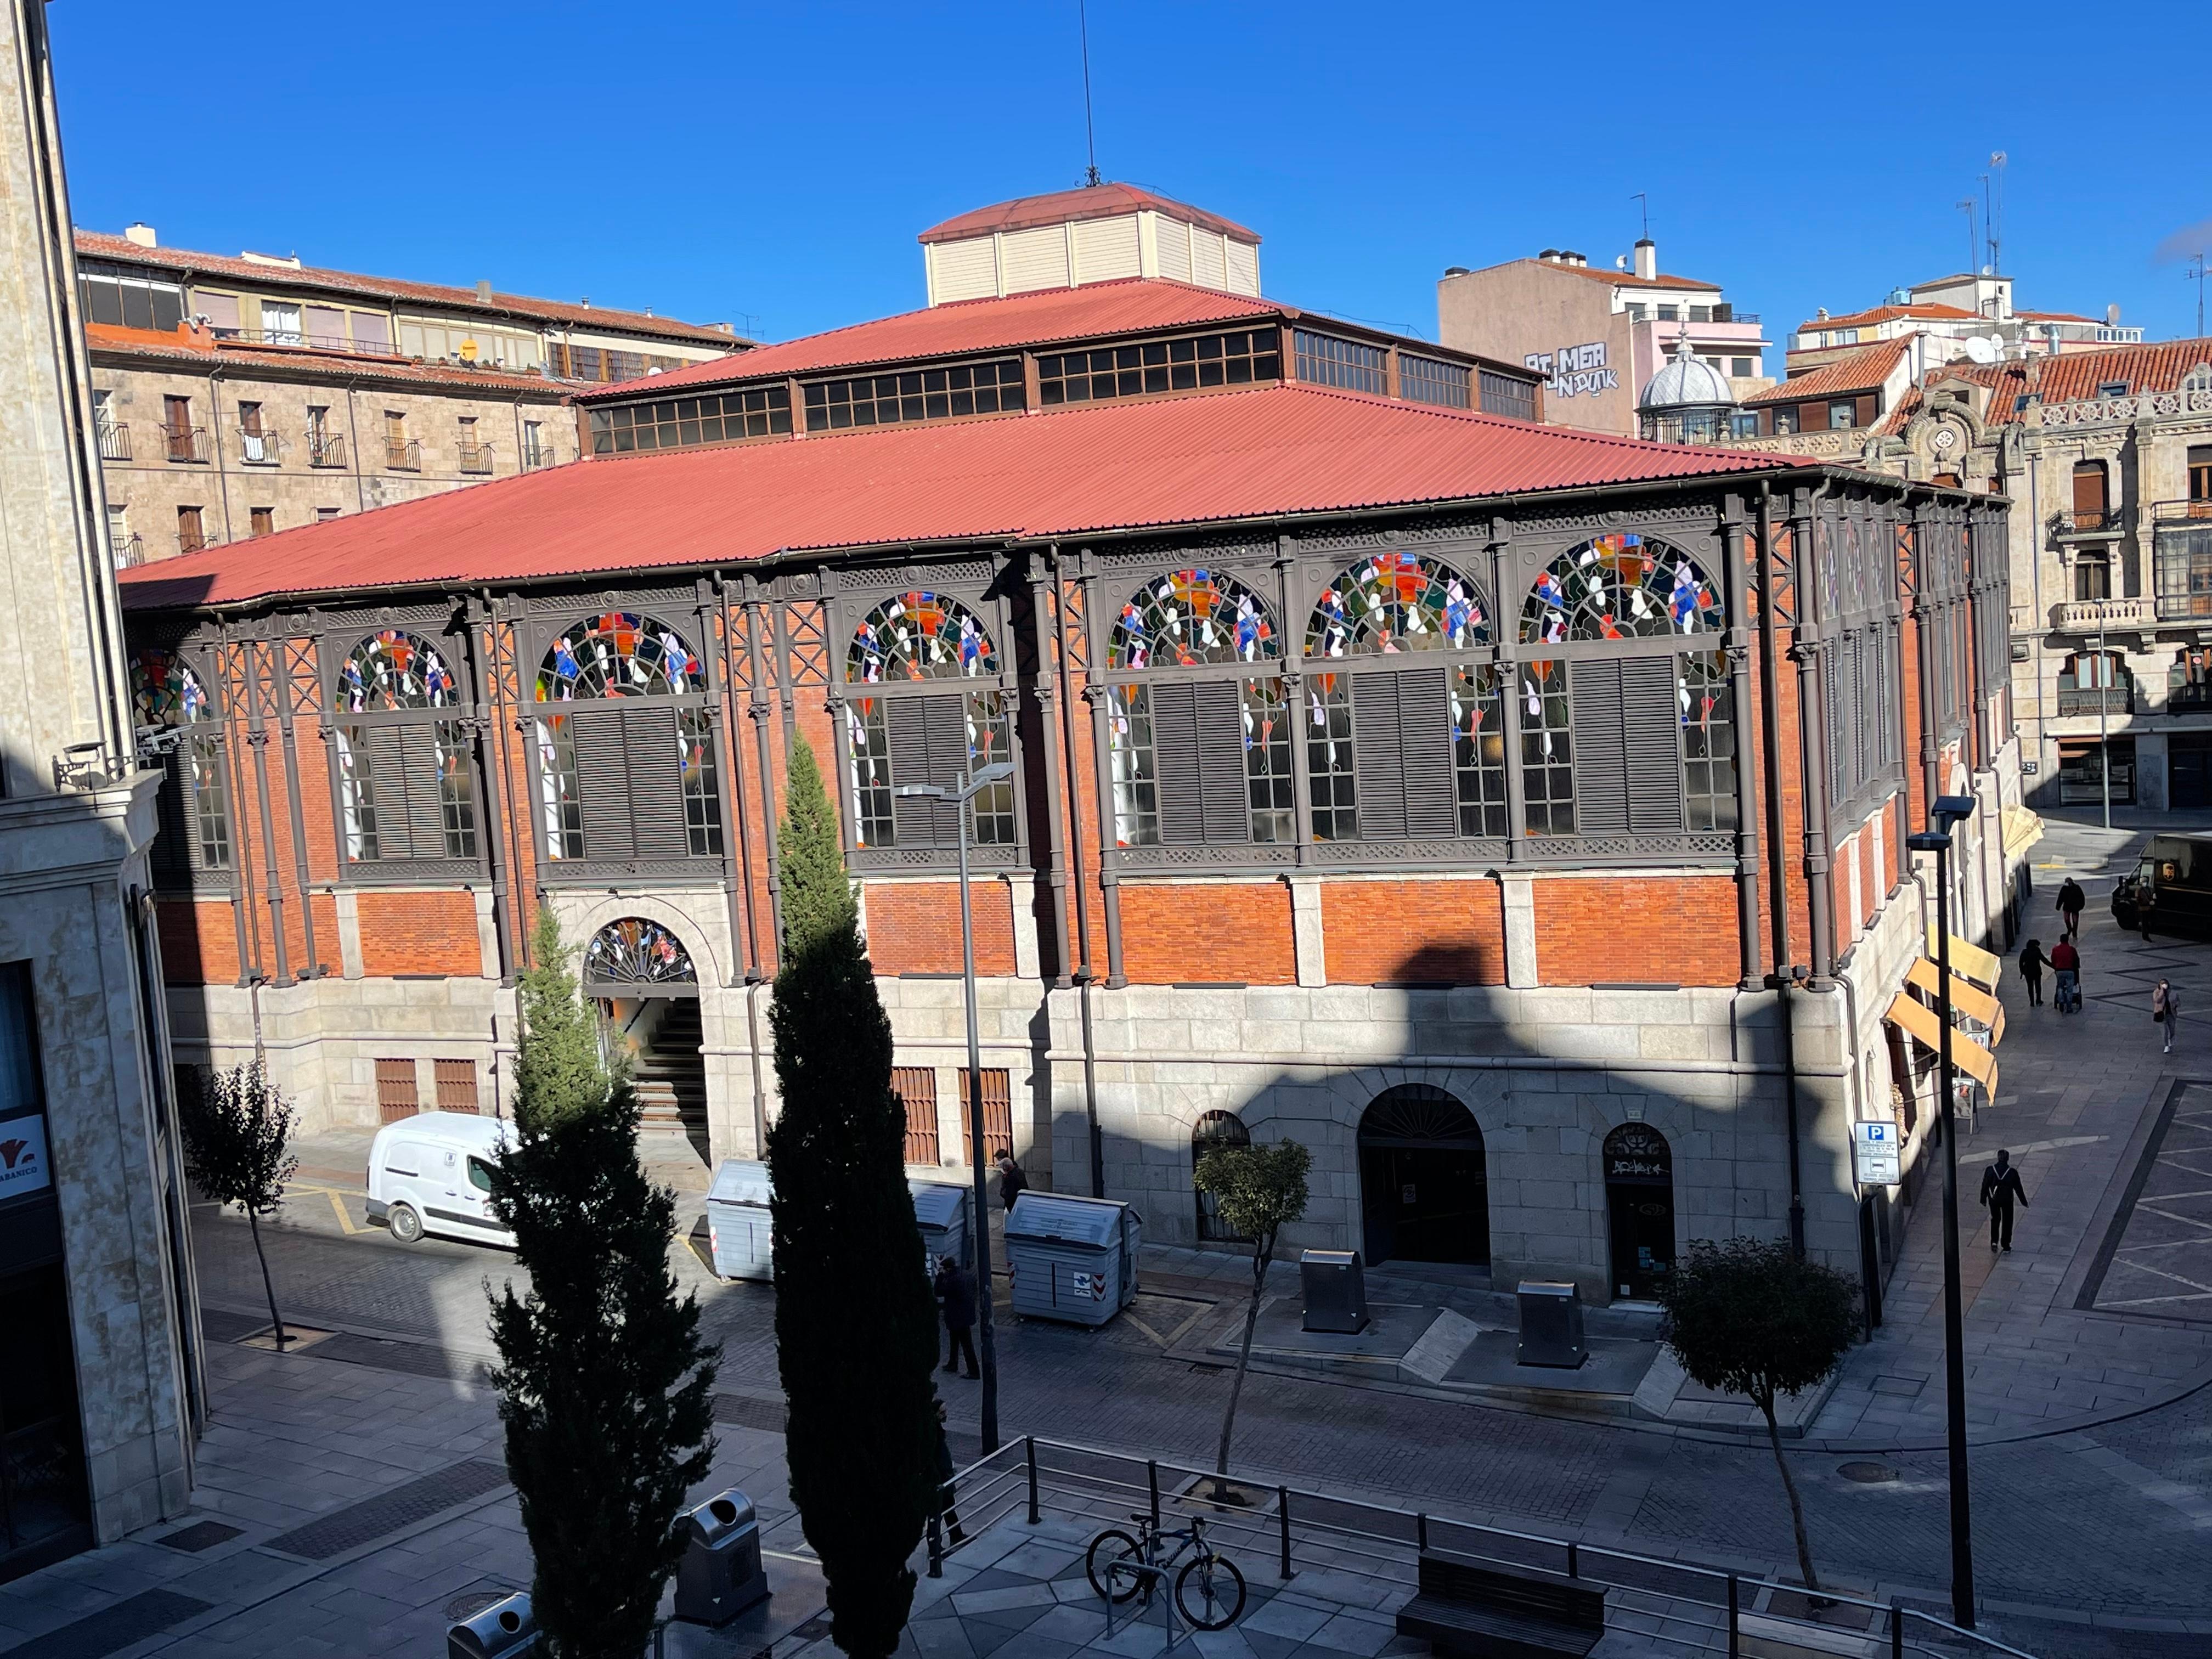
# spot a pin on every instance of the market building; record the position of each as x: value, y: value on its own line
x: 1451, y: 793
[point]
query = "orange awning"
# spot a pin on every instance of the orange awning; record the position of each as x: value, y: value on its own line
x: 1919, y: 1020
x: 1970, y: 1000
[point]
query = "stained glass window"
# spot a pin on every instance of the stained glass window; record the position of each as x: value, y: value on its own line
x: 1188, y: 617
x: 1329, y: 771
x: 620, y: 654
x: 637, y: 951
x: 165, y: 694
x: 875, y: 768
x: 394, y: 670
x: 1397, y: 602
x: 1708, y: 707
x: 1547, y: 772
x: 1621, y: 586
x: 990, y: 740
x: 920, y: 636
x: 380, y: 766
x: 1479, y: 750
x: 1202, y: 804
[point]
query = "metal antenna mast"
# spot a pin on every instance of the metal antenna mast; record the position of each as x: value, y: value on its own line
x: 1090, y: 133
x: 1973, y: 241
x: 1997, y: 211
x: 2196, y: 275
x: 1644, y: 202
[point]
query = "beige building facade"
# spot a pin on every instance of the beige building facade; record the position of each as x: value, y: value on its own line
x: 100, y: 1392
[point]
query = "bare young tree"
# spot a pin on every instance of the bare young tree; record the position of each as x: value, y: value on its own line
x: 1257, y: 1191
x: 238, y: 1149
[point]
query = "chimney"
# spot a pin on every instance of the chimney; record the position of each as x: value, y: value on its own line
x: 140, y: 232
x: 1821, y: 315
x: 1569, y: 256
x: 2111, y: 316
x: 484, y: 293
x: 1550, y: 256
x: 1647, y: 258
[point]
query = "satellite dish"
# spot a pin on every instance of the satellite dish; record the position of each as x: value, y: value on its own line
x: 1981, y: 351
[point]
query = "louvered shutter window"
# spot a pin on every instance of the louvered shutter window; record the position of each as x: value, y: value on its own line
x: 403, y: 769
x: 1402, y: 754
x: 652, y: 757
x: 602, y: 782
x: 928, y: 744
x: 1628, y: 758
x: 178, y: 829
x: 1601, y: 753
x: 1176, y: 764
x: 1197, y: 755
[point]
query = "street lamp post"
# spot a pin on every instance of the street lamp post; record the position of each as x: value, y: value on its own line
x: 980, y: 1233
x: 1946, y: 810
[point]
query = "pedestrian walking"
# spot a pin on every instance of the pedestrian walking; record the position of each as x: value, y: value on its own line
x: 2000, y: 1189
x: 2166, y: 1009
x: 956, y: 1295
x: 2072, y: 902
x: 953, y: 1536
x: 2066, y: 963
x: 2033, y: 962
x: 1012, y: 1183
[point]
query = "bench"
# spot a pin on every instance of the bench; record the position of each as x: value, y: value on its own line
x: 1497, y: 1613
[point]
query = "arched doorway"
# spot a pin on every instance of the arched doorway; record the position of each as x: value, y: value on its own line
x: 641, y: 978
x: 1640, y: 1202
x: 1424, y: 1187
x: 1211, y: 1132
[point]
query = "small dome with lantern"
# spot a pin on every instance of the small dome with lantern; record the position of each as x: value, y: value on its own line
x: 1688, y: 402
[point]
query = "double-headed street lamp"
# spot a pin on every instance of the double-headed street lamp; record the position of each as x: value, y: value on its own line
x: 1948, y: 811
x: 980, y: 1233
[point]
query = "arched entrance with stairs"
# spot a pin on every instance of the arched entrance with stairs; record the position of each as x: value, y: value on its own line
x: 641, y: 978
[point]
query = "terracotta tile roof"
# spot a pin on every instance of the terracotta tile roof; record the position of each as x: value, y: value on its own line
x: 2058, y: 316
x: 1622, y: 278
x: 1044, y: 318
x: 1886, y: 315
x: 2074, y: 377
x: 147, y: 346
x: 1283, y: 449
x: 1862, y: 370
x: 121, y: 250
x: 1106, y: 201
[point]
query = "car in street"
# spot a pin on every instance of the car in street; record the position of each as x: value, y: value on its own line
x: 2171, y: 891
x: 431, y: 1173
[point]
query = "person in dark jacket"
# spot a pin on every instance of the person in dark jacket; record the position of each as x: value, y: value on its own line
x: 2072, y: 902
x: 956, y: 1295
x: 1012, y: 1183
x: 953, y: 1536
x: 2000, y: 1189
x: 2033, y: 962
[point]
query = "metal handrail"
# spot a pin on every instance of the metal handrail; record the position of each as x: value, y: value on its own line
x: 2166, y: 511
x: 269, y: 445
x: 326, y: 449
x: 114, y: 440
x: 989, y: 1477
x: 476, y: 457
x: 535, y: 456
x: 130, y: 551
x: 187, y: 443
x: 405, y: 455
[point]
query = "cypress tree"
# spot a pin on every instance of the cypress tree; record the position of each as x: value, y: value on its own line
x: 603, y: 1383
x: 855, y: 1318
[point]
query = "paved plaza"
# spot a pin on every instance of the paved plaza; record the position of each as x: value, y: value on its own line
x: 350, y: 1497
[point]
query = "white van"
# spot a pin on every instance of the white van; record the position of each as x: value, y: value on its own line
x: 432, y: 1174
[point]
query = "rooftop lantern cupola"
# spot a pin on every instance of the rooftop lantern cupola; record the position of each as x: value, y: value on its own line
x: 1105, y: 233
x: 1687, y: 401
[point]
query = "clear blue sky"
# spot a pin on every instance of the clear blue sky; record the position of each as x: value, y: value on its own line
x: 720, y: 162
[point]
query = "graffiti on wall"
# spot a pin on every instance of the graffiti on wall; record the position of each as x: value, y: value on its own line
x: 1571, y: 371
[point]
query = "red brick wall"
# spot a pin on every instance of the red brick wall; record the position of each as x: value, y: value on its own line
x: 914, y: 926
x: 419, y: 934
x: 1678, y: 930
x: 200, y: 942
x: 1231, y: 931
x: 1390, y: 931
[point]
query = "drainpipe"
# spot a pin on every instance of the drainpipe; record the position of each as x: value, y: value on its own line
x: 221, y: 476
x: 1812, y: 737
x: 1084, y: 975
x: 353, y: 436
x: 1777, y: 882
x: 757, y: 709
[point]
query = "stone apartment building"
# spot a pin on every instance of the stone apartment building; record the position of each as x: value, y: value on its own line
x: 1514, y: 815
x: 236, y: 397
x: 100, y: 1394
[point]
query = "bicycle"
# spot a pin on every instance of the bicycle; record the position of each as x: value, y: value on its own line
x: 1209, y: 1591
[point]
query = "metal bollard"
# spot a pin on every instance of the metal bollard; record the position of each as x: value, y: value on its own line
x: 1574, y: 1560
x: 1152, y: 1480
x: 1283, y: 1511
x: 1030, y: 1442
x: 1420, y: 1532
x: 1735, y: 1636
x: 1896, y: 1627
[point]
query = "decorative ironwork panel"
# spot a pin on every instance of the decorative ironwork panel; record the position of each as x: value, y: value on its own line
x: 1189, y: 616
x: 919, y: 634
x: 1621, y: 586
x: 1397, y: 601
x: 621, y: 653
x: 394, y: 670
x: 637, y: 951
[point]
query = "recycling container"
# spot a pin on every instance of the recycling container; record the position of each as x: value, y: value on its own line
x: 1550, y: 1325
x: 1335, y: 1291
x: 738, y: 1221
x: 1072, y: 1258
x: 940, y: 1210
x: 504, y: 1630
x: 719, y: 1576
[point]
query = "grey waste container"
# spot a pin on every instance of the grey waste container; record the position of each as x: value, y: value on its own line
x: 940, y: 1210
x: 1072, y: 1258
x: 738, y: 1222
x: 1550, y: 1325
x: 504, y: 1630
x: 1335, y: 1291
x: 719, y: 1576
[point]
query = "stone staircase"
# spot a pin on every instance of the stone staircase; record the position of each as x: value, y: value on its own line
x: 670, y: 1081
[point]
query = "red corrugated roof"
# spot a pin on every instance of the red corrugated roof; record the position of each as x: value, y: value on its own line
x: 1107, y: 201
x: 1281, y: 449
x: 184, y: 262
x: 1048, y: 316
x: 1862, y: 370
x: 188, y: 347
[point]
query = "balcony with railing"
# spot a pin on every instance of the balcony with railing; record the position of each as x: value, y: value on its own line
x: 2181, y: 560
x: 130, y: 551
x: 536, y: 455
x: 476, y: 457
x: 2181, y: 512
x: 326, y: 449
x: 187, y: 444
x: 2112, y: 700
x: 193, y: 541
x: 2086, y: 524
x: 2188, y: 697
x: 261, y: 449
x: 2098, y: 615
x: 115, y: 440
x: 403, y: 454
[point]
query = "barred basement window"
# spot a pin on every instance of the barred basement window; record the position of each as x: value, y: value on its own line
x: 1243, y: 358
x: 939, y: 737
x: 1425, y: 380
x: 925, y: 394
x: 192, y: 806
x: 1325, y: 359
x: 679, y: 422
x: 1547, y: 771
x: 1503, y: 395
